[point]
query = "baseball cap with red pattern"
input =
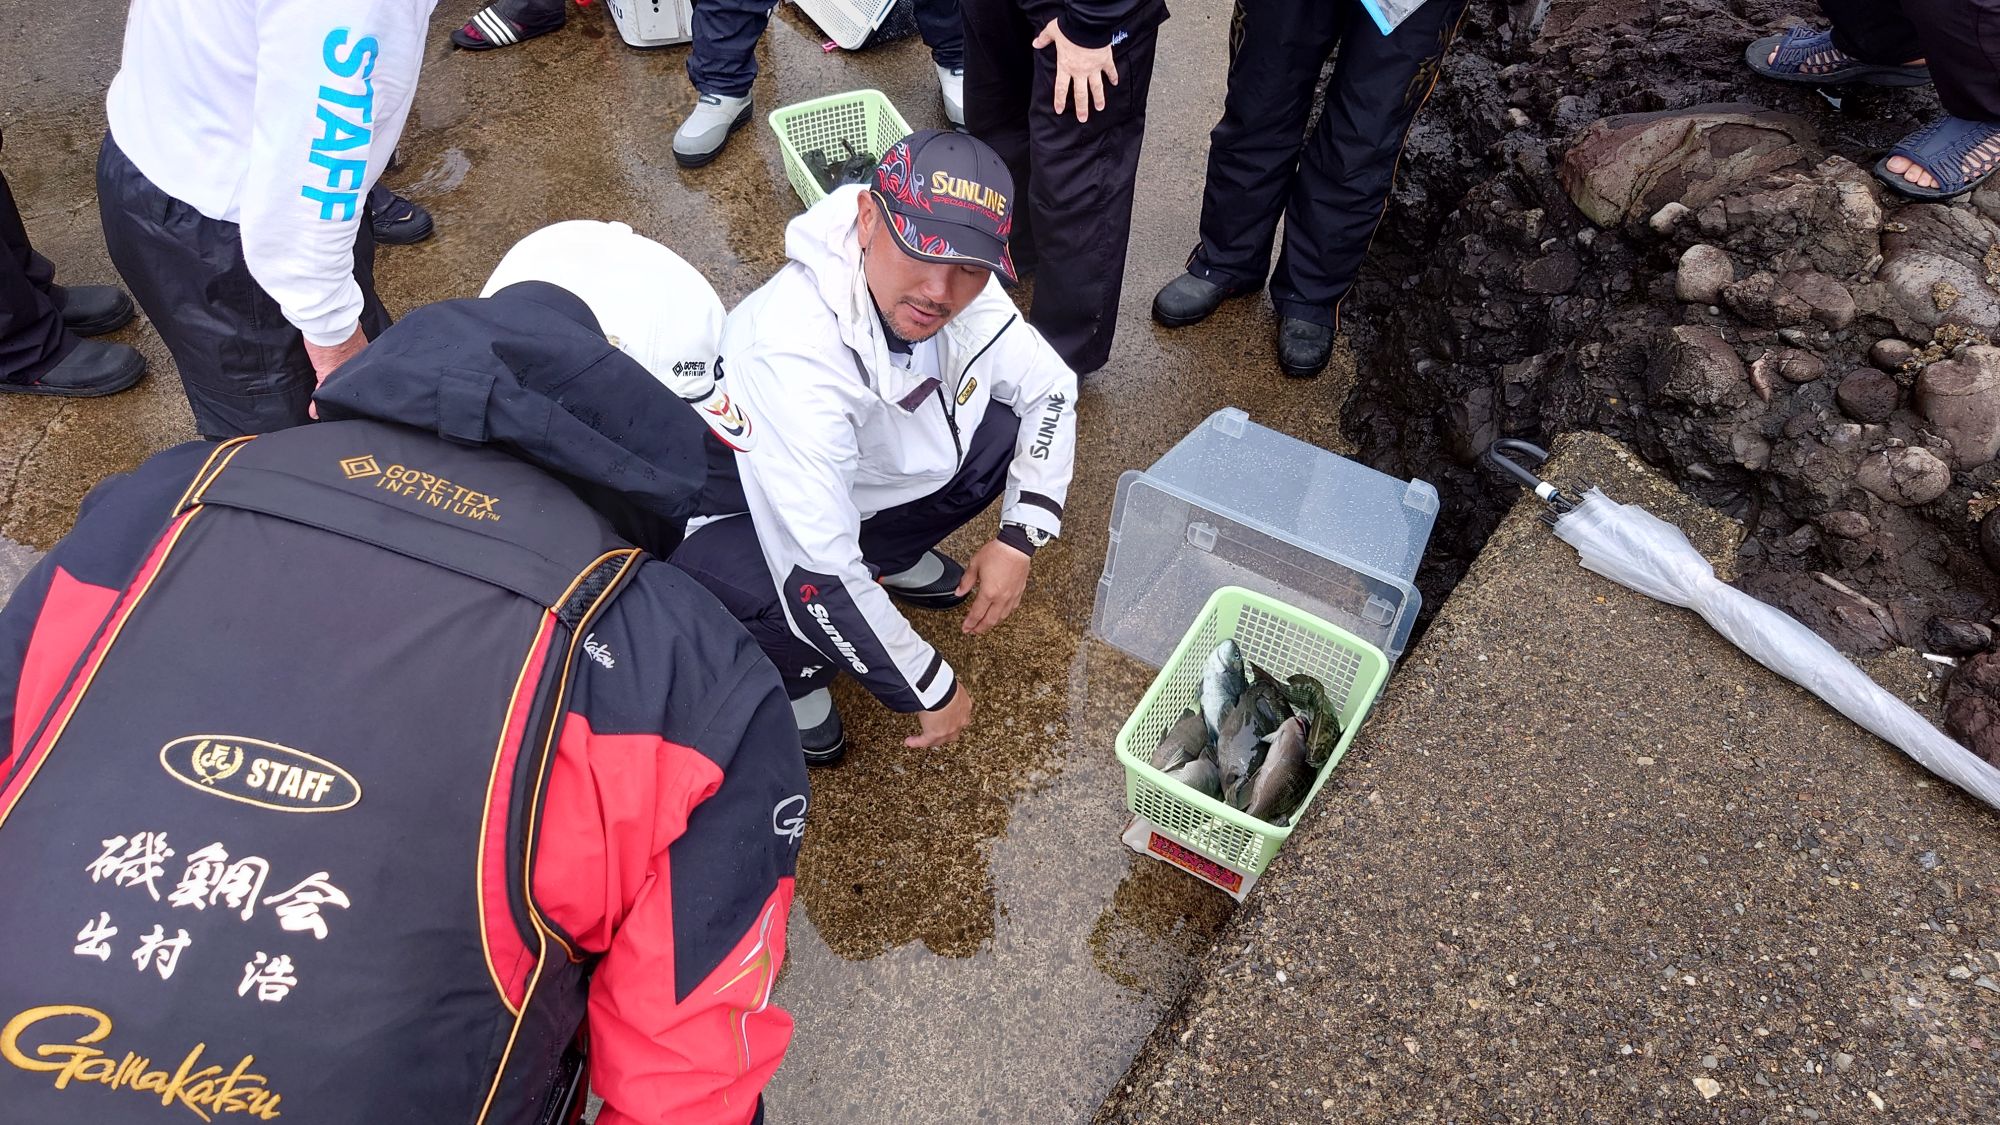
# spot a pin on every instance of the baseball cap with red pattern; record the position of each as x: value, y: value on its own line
x: 947, y: 198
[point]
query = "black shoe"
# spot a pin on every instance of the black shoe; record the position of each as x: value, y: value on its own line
x: 92, y: 310
x: 1188, y: 299
x: 1303, y: 347
x: 825, y: 744
x: 941, y: 594
x: 94, y: 368
x: 398, y: 222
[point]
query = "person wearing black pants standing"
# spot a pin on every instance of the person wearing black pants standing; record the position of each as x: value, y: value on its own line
x: 1952, y: 43
x: 1331, y: 187
x: 40, y: 321
x: 234, y: 189
x: 1030, y: 65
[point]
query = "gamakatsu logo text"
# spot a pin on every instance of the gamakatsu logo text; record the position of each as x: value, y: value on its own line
x: 63, y: 1041
x: 425, y: 488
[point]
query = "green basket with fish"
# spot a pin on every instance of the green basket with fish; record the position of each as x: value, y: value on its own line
x: 1309, y: 668
x: 822, y: 137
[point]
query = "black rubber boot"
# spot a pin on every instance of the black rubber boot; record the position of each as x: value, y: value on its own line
x: 92, y: 310
x: 93, y: 368
x: 1303, y: 347
x: 1188, y: 299
x: 824, y: 743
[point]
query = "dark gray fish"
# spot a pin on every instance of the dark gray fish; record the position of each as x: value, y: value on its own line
x: 1182, y: 742
x: 1221, y: 683
x: 1268, y: 706
x: 1198, y: 775
x: 1238, y: 750
x: 1284, y: 777
x: 1322, y: 719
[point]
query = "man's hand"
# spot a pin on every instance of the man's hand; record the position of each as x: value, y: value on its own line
x: 1078, y: 67
x: 325, y: 360
x: 1000, y: 573
x: 944, y: 724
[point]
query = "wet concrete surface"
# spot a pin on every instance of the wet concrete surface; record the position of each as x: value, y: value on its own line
x: 972, y: 942
x: 1589, y: 863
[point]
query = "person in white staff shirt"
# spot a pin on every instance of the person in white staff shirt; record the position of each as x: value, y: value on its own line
x: 233, y: 184
x: 889, y: 392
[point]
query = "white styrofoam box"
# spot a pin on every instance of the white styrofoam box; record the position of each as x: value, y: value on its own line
x: 653, y: 23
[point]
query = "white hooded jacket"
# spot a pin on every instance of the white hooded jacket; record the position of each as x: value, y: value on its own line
x: 840, y: 433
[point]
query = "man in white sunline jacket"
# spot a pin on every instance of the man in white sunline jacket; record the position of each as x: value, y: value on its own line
x: 889, y: 393
x: 233, y: 186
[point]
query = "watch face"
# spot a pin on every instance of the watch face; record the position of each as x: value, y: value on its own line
x: 1037, y: 536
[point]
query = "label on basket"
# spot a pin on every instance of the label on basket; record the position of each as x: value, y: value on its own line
x: 1194, y: 863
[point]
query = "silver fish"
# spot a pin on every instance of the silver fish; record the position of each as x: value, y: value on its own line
x: 1221, y: 683
x: 1238, y: 750
x: 1182, y: 742
x: 1284, y: 776
x: 1199, y: 775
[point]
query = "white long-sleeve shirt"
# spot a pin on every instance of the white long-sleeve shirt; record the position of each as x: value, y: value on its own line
x: 843, y: 433
x: 276, y: 115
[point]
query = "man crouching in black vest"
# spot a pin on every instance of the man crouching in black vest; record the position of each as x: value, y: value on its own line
x: 353, y: 769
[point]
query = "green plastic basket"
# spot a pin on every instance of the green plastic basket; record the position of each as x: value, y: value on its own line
x: 1285, y: 642
x: 862, y: 118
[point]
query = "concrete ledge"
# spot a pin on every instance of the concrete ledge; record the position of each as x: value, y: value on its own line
x: 1588, y: 863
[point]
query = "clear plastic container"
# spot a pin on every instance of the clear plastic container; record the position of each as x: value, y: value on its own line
x: 1237, y: 504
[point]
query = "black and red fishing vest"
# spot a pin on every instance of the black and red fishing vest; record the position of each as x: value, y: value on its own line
x: 268, y: 855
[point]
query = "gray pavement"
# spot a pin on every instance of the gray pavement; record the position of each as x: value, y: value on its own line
x: 971, y: 941
x: 1588, y: 863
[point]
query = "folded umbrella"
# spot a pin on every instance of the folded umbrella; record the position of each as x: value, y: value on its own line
x: 1637, y: 549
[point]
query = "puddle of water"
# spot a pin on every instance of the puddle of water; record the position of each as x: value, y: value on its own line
x: 1015, y: 982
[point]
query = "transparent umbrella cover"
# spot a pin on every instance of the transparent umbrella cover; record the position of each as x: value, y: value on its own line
x: 1637, y: 549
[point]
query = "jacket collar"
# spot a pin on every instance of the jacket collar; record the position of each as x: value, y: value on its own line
x: 824, y: 241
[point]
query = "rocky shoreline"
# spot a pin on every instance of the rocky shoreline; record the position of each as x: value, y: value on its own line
x: 1606, y: 222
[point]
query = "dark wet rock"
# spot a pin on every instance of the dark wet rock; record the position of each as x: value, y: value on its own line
x: 1960, y: 398
x: 1700, y: 368
x: 1972, y: 706
x: 1702, y: 273
x: 1553, y: 273
x: 1795, y: 298
x: 1624, y: 169
x: 1957, y: 636
x: 1906, y: 476
x: 1890, y: 354
x: 1846, y: 525
x: 1989, y: 538
x: 1794, y: 365
x: 1827, y: 219
x: 1868, y: 396
x: 1957, y: 232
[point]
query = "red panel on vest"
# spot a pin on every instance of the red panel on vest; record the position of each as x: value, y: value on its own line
x: 70, y: 615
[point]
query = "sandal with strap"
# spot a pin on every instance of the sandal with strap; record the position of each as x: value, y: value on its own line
x: 490, y: 29
x: 1799, y: 49
x: 1959, y: 154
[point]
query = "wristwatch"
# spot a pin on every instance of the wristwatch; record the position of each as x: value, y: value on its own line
x: 1023, y: 538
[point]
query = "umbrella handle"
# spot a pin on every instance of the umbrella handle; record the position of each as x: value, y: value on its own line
x: 1497, y: 456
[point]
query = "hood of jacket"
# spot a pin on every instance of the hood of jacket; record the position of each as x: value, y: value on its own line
x: 528, y: 371
x: 824, y: 243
